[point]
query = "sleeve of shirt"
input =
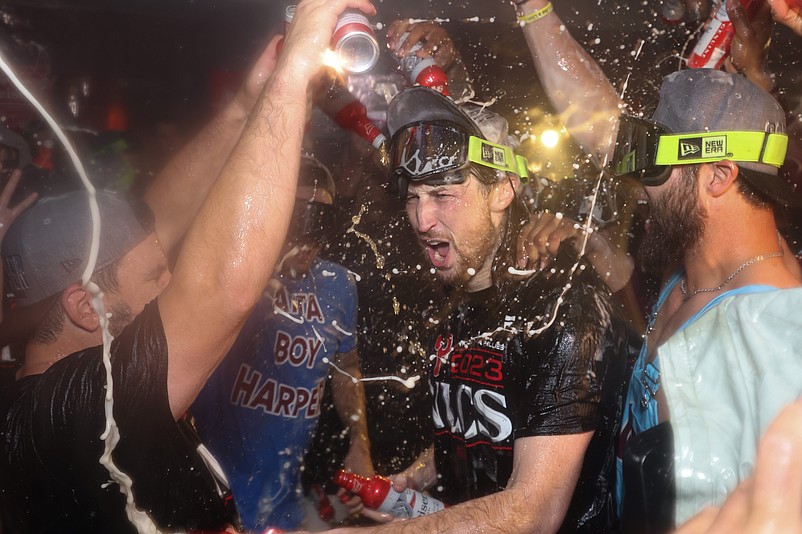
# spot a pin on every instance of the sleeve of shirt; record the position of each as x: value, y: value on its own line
x: 556, y: 375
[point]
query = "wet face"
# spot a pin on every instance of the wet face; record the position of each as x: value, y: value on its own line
x: 676, y: 221
x: 457, y: 230
x: 142, y: 275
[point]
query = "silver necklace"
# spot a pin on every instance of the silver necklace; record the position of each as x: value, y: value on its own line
x: 751, y: 261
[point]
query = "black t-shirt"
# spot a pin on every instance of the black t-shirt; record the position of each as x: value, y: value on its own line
x: 496, y: 379
x: 52, y: 480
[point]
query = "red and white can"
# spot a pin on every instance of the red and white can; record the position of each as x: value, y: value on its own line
x: 713, y: 46
x: 355, y: 43
x: 422, y: 70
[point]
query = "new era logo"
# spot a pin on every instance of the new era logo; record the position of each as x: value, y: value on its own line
x: 703, y: 147
x: 491, y: 154
x: 690, y: 148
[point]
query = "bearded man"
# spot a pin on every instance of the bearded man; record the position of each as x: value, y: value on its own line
x: 525, y: 370
x: 722, y: 346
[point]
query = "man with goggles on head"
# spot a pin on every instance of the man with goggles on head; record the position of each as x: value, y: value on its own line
x: 719, y: 333
x: 518, y: 403
x: 723, y: 340
x: 259, y: 410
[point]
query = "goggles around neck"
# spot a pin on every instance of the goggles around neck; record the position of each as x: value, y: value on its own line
x: 647, y: 151
x: 435, y: 152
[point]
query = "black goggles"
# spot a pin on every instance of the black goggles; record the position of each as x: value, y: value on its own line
x: 647, y: 151
x: 437, y: 152
x: 311, y: 220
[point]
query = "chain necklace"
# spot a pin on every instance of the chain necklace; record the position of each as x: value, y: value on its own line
x: 751, y: 261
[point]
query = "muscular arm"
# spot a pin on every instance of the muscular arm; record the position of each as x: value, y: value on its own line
x: 233, y: 244
x: 545, y: 472
x: 349, y: 400
x: 577, y: 88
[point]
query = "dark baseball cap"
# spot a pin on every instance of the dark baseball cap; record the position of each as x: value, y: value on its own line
x: 48, y: 248
x: 708, y: 100
x: 421, y: 104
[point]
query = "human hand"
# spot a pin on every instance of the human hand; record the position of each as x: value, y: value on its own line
x: 434, y: 40
x: 540, y: 239
x: 310, y: 32
x: 257, y: 77
x: 768, y: 501
x: 356, y: 461
x: 788, y: 12
x: 751, y: 41
x: 9, y: 214
x: 400, y: 484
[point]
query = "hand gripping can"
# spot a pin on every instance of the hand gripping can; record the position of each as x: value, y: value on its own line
x: 422, y: 70
x: 355, y: 43
x: 378, y: 493
x: 713, y: 46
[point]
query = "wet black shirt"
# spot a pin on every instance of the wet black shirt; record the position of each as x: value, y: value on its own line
x: 496, y: 379
x: 50, y: 476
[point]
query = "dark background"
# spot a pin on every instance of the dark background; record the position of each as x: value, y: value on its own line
x: 159, y: 62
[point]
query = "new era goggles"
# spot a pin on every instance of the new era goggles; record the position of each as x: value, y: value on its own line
x: 436, y: 152
x: 647, y: 151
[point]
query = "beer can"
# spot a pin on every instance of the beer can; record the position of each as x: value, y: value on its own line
x: 355, y: 43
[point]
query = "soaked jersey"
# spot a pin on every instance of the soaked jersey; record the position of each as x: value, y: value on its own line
x: 50, y: 474
x: 515, y: 366
x: 258, y: 412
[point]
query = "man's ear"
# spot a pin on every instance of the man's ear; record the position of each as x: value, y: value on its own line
x: 722, y: 177
x: 77, y: 303
x: 504, y: 192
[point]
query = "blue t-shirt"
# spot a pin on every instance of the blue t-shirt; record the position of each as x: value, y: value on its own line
x: 259, y: 409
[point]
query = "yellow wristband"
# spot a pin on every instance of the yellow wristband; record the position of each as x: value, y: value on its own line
x: 537, y: 15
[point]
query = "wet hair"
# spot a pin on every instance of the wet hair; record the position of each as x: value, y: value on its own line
x: 517, y: 217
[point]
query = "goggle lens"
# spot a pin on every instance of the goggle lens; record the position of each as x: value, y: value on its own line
x: 635, y: 151
x: 420, y: 151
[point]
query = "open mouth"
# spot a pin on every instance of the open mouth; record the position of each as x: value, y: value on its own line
x: 438, y: 252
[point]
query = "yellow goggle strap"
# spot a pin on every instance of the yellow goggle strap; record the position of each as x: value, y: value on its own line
x: 704, y: 147
x: 491, y: 155
x: 523, y: 167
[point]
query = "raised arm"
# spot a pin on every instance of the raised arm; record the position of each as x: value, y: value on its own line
x: 233, y: 244
x: 579, y: 91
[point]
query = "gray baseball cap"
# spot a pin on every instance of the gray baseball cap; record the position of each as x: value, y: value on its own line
x: 708, y: 100
x: 47, y: 248
x: 421, y: 104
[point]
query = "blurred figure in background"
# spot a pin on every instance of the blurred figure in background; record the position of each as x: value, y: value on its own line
x: 259, y: 410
